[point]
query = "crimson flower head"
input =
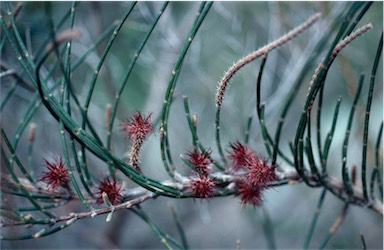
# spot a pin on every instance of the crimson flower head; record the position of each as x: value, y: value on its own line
x: 260, y: 173
x: 249, y: 193
x: 202, y: 187
x: 241, y: 155
x: 112, y: 189
x: 57, y: 174
x: 138, y: 126
x: 201, y: 161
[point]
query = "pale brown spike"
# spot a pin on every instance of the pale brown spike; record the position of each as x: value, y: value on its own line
x: 260, y: 52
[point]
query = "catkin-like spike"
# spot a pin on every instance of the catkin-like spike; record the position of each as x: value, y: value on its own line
x: 350, y: 38
x: 314, y: 76
x: 258, y: 53
x: 337, y: 49
x: 135, y: 152
x: 138, y: 128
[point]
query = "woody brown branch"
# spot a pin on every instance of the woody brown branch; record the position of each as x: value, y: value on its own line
x: 140, y: 194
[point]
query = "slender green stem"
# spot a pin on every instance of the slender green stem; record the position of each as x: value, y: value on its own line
x: 180, y: 228
x: 127, y: 75
x: 367, y: 115
x: 328, y: 140
x: 335, y: 226
x: 311, y: 159
x: 266, y: 136
x: 85, y: 139
x: 374, y: 176
x: 315, y: 218
x: 358, y: 18
x: 217, y: 135
x: 378, y: 164
x: 28, y: 209
x: 195, y: 138
x: 309, y: 149
x: 94, y: 79
x: 344, y: 171
x: 102, y: 59
x: 9, y: 166
x: 41, y: 197
x: 164, y: 142
x: 18, y: 37
x: 267, y: 226
x: 43, y: 45
x: 260, y: 113
x: 363, y: 245
x: 318, y: 127
x: 264, y: 130
x: 320, y: 80
x: 43, y: 232
x: 300, y: 80
x: 248, y: 129
x: 258, y: 85
x: 164, y: 238
x: 8, y: 96
x: 192, y: 129
x: 17, y: 53
x: 66, y: 69
x: 30, y: 159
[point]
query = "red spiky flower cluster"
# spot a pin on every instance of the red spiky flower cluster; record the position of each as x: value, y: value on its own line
x: 201, y: 184
x: 202, y: 187
x: 57, y: 174
x: 138, y: 126
x: 260, y: 173
x: 112, y: 189
x: 253, y: 173
x: 248, y: 193
x: 200, y: 160
x: 240, y: 155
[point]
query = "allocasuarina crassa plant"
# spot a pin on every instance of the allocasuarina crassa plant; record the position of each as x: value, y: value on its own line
x: 103, y: 117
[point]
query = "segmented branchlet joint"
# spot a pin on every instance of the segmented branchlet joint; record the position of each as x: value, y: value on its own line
x: 350, y: 38
x: 258, y: 53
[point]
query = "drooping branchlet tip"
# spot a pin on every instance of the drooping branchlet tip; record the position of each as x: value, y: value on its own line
x: 57, y: 174
x: 202, y: 187
x: 112, y: 189
x: 201, y: 161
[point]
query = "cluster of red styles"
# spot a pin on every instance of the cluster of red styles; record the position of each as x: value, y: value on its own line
x: 252, y: 173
